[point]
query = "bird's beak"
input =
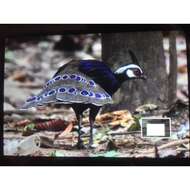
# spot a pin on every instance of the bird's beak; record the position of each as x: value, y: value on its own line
x: 144, y: 77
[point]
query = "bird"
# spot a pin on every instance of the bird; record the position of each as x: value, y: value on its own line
x: 85, y: 84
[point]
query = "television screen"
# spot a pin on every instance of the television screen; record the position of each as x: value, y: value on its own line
x: 97, y: 95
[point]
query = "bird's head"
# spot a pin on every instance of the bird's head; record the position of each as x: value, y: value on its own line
x: 130, y: 71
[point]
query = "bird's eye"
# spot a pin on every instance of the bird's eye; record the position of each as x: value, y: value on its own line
x: 137, y: 72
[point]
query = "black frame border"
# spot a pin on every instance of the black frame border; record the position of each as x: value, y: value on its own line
x: 19, y: 30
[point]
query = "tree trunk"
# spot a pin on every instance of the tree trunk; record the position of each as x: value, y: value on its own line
x: 172, y: 86
x: 187, y: 36
x: 148, y: 48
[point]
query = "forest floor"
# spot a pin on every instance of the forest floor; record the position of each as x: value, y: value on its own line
x: 52, y: 131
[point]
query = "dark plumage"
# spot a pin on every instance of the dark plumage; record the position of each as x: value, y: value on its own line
x: 84, y: 84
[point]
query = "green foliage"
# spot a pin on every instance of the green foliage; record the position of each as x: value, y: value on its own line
x: 29, y: 129
x: 111, y: 153
x: 9, y: 56
x: 135, y: 126
x: 56, y: 154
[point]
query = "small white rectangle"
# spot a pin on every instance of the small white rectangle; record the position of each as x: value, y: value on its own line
x: 154, y: 129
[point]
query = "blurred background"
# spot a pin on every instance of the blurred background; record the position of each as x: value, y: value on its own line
x: 31, y: 61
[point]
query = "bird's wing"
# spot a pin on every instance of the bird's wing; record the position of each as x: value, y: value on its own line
x: 70, y: 85
x: 100, y: 73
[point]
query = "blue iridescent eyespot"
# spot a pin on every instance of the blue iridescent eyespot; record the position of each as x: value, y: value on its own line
x: 64, y: 77
x: 92, y: 83
x: 103, y: 96
x: 78, y: 78
x: 49, y: 82
x: 107, y: 95
x: 71, y: 90
x: 84, y: 93
x: 31, y: 99
x: 45, y: 94
x: 57, y: 78
x: 50, y: 93
x: 39, y: 98
x: 73, y: 76
x: 98, y: 95
x: 62, y: 89
x: 83, y: 80
x: 91, y: 94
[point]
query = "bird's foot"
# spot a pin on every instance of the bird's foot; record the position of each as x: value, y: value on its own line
x: 91, y: 146
x: 80, y: 145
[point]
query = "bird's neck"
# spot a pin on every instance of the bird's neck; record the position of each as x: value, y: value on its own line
x: 121, y: 77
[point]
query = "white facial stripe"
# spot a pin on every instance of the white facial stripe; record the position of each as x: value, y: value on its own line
x: 124, y: 68
x: 130, y: 74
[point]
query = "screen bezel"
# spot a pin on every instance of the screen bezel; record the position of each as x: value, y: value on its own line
x: 16, y: 30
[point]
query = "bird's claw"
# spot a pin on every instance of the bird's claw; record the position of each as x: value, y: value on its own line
x: 91, y: 146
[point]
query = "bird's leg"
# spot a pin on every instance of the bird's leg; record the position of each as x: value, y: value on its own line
x: 80, y: 144
x: 92, y: 116
x: 91, y: 131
